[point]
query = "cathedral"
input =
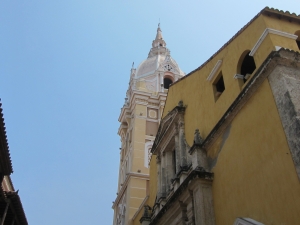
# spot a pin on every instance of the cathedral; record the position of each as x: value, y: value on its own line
x: 220, y: 145
x: 139, y: 120
x: 227, y: 151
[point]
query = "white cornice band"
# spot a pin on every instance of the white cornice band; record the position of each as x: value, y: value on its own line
x: 214, y: 70
x: 270, y: 31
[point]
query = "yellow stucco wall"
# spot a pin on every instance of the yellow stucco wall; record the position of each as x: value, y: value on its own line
x: 254, y: 175
x: 139, y: 132
x: 136, y: 189
x: 203, y: 111
x: 152, y: 190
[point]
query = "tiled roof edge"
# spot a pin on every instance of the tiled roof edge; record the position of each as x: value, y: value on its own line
x: 4, y: 138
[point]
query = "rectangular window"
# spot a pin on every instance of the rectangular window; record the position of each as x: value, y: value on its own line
x: 218, y: 86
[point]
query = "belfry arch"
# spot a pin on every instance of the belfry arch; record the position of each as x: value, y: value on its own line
x: 168, y: 80
x: 246, y: 65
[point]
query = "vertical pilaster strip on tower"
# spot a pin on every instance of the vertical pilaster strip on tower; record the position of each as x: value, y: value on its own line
x: 158, y: 164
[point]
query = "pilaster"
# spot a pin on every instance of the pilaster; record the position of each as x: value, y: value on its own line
x: 203, y: 202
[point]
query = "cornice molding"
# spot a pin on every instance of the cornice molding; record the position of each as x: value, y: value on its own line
x: 270, y: 31
x: 214, y: 70
x: 196, y: 174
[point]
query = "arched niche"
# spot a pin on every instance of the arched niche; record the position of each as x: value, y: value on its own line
x: 246, y: 65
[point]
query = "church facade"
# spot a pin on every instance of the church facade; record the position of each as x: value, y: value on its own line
x: 227, y: 150
x: 139, y: 120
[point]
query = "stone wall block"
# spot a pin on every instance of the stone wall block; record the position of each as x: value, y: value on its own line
x: 203, y: 204
x: 285, y: 85
x: 199, y: 158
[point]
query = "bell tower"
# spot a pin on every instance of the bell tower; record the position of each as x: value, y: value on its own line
x: 139, y: 120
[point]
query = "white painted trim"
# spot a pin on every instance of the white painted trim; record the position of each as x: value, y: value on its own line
x: 150, y: 138
x: 152, y: 120
x: 214, y: 70
x: 271, y: 31
x: 246, y: 221
x: 238, y: 76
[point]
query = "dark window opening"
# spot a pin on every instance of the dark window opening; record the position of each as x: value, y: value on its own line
x: 167, y: 83
x: 247, y: 67
x: 220, y: 86
x: 298, y: 43
x: 174, y: 161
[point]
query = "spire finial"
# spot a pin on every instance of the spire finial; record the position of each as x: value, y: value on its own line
x: 158, y: 22
x: 158, y: 44
x: 158, y: 34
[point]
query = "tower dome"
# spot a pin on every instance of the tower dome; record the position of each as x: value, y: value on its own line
x: 159, y: 69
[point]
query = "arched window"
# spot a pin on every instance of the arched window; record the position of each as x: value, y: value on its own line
x: 167, y: 82
x: 298, y: 39
x: 246, y: 65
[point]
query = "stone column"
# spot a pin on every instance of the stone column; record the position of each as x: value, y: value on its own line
x: 169, y: 169
x: 203, y: 203
x: 177, y: 153
x: 193, y: 206
x: 184, y: 218
x: 158, y: 163
x: 182, y: 149
x: 163, y: 175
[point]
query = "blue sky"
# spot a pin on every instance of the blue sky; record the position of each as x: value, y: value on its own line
x: 64, y: 71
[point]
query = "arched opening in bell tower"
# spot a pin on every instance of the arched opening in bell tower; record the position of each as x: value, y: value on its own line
x: 168, y: 80
x: 246, y: 65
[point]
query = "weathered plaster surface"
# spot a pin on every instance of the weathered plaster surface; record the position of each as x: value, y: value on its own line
x: 285, y: 85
